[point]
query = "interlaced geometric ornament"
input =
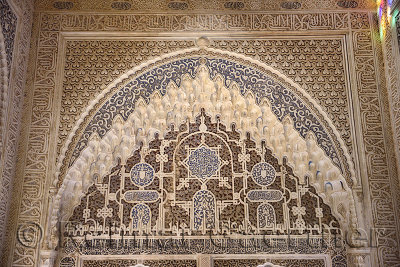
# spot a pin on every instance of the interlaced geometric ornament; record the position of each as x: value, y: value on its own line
x: 142, y: 174
x: 263, y: 173
x: 140, y: 216
x: 203, y: 162
x: 210, y: 180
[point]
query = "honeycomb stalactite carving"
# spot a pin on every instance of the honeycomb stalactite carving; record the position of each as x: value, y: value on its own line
x: 292, y: 103
x: 233, y: 109
x: 301, y: 60
x: 196, y: 207
x: 304, y: 61
x: 88, y: 73
x: 41, y: 85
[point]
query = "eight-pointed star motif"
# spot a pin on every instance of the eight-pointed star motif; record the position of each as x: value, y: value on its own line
x: 203, y: 162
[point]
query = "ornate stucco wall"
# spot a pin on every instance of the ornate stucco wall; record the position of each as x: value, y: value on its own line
x: 333, y: 54
x: 16, y: 20
x: 390, y: 36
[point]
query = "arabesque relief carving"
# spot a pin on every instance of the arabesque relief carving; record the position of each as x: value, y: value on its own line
x: 205, y: 161
x: 291, y: 57
x: 191, y: 5
x: 15, y: 24
x: 354, y: 24
x: 86, y: 75
x: 304, y: 62
x: 159, y: 191
x: 184, y: 103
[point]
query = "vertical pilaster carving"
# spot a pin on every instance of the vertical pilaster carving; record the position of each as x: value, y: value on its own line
x: 383, y: 191
x: 31, y: 199
x: 16, y: 20
x: 391, y: 49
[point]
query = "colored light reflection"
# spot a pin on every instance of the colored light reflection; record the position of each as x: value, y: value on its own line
x: 393, y: 17
x: 384, y: 16
x: 382, y: 27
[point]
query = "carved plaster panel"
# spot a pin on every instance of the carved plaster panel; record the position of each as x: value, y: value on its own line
x: 301, y: 60
x: 146, y: 263
x: 378, y: 145
x: 356, y: 25
x: 234, y: 105
x: 202, y: 179
x: 391, y: 51
x: 15, y: 24
x: 146, y: 87
x: 273, y: 263
x: 192, y: 5
x: 235, y: 22
x: 88, y: 73
x: 304, y: 62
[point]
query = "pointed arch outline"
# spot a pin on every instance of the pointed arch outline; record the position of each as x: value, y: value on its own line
x: 133, y: 73
x: 118, y: 121
x: 200, y: 212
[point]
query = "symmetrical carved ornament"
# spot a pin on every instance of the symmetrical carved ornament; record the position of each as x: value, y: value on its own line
x: 326, y: 84
x: 169, y: 183
x: 310, y: 21
x: 253, y: 113
x: 380, y: 166
x: 330, y: 142
x: 15, y: 30
x: 154, y: 191
x: 32, y: 207
x: 192, y: 5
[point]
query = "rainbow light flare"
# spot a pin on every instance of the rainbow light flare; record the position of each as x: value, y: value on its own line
x: 384, y: 16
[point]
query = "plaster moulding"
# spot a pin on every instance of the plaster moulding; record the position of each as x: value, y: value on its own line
x: 3, y: 89
x: 269, y: 265
x: 183, y: 103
